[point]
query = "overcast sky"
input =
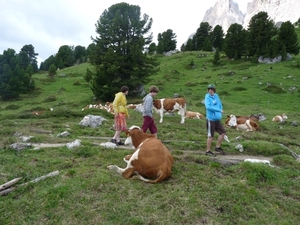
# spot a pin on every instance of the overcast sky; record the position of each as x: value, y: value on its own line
x: 49, y: 24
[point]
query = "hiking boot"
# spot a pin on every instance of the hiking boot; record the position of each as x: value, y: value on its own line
x: 220, y: 150
x: 113, y: 141
x: 120, y: 143
x: 209, y: 153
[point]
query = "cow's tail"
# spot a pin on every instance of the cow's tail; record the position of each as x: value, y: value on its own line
x: 161, y: 177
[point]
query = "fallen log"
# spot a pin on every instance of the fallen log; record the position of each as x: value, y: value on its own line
x: 8, y: 190
x: 9, y: 183
x: 294, y: 154
x: 52, y: 174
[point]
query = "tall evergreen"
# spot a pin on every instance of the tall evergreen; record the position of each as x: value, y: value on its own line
x: 217, y: 37
x: 261, y: 30
x: 29, y: 50
x: 288, y: 39
x: 234, y: 43
x: 166, y: 41
x: 15, y: 74
x: 201, y: 34
x: 119, y: 57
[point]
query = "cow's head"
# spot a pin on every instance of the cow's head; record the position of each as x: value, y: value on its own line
x: 284, y: 116
x: 232, y: 121
x: 128, y: 140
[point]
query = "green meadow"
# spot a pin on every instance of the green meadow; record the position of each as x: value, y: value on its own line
x: 201, y: 190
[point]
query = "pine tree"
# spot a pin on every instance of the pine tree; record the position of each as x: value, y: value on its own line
x: 216, y: 60
x: 234, y: 43
x: 288, y: 38
x: 260, y: 33
x: 119, y: 57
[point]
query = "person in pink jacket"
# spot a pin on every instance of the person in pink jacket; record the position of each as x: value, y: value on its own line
x: 121, y: 114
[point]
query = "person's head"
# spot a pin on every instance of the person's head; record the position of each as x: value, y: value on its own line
x: 211, y: 88
x: 124, y: 89
x: 153, y: 90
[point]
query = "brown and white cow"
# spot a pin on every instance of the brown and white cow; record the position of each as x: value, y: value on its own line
x: 254, y: 117
x: 194, y: 115
x: 107, y: 107
x: 131, y: 106
x: 92, y: 106
x: 280, y: 118
x: 241, y: 123
x: 151, y: 161
x: 36, y: 113
x: 170, y: 105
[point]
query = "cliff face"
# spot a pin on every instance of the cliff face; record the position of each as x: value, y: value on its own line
x: 226, y: 12
x: 278, y: 10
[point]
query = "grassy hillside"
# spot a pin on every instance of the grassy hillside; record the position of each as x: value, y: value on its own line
x: 201, y: 189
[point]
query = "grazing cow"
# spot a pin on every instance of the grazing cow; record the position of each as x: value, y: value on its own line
x: 279, y: 118
x: 170, y: 105
x: 151, y: 161
x: 194, y: 115
x: 241, y: 123
x: 40, y: 112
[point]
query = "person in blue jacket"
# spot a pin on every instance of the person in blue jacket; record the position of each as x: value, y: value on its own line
x: 214, y: 111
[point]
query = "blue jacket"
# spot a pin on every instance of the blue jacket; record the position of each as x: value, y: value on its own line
x: 213, y: 107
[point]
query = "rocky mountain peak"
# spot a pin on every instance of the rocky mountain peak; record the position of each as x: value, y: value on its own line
x: 224, y: 13
x: 227, y: 12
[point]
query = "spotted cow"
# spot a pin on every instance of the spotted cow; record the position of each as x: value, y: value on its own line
x: 194, y: 115
x: 280, y: 118
x: 170, y: 105
x: 241, y: 123
x: 151, y: 161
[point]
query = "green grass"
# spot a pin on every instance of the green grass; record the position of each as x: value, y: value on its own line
x: 200, y: 191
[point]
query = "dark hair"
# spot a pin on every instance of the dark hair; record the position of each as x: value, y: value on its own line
x: 124, y: 89
x: 153, y: 89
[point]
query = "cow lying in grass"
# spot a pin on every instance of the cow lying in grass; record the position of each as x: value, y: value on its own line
x: 151, y: 161
x: 241, y: 123
x: 36, y: 113
x: 279, y: 118
x: 194, y: 115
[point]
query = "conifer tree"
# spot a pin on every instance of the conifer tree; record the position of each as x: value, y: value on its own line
x: 119, y: 56
x: 288, y: 39
x: 261, y: 30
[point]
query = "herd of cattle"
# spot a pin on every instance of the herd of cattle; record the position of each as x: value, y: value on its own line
x: 170, y: 105
x: 156, y: 165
